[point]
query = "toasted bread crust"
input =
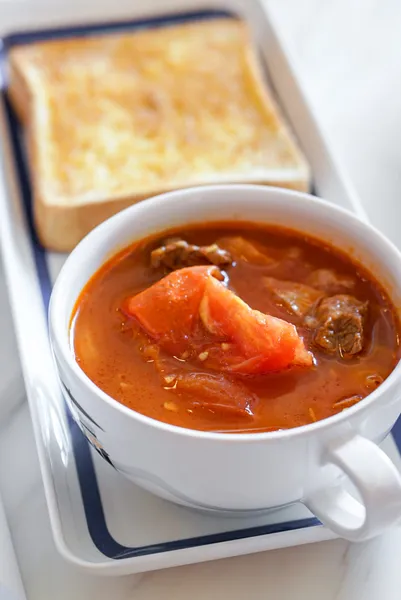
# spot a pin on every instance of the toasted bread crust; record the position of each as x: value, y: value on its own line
x: 129, y: 141
x: 18, y: 90
x: 61, y: 228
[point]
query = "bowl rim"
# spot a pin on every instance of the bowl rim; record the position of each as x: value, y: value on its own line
x: 61, y: 344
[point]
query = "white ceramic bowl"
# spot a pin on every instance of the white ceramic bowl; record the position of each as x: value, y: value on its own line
x: 242, y: 472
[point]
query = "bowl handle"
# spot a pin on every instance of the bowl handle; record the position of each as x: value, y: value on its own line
x: 374, y: 476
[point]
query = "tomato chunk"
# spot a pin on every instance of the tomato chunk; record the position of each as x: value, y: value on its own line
x: 264, y: 343
x: 242, y: 340
x: 217, y: 394
x: 168, y: 310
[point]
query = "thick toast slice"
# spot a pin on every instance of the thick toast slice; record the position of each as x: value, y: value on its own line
x: 116, y: 118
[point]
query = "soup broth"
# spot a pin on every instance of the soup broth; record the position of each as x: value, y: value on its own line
x: 206, y: 369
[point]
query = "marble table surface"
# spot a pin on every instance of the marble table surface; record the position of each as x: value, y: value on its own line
x: 348, y: 57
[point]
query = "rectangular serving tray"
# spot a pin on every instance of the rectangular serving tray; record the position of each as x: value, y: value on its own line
x: 102, y: 522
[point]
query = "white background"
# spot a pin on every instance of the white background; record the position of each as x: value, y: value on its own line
x: 348, y: 57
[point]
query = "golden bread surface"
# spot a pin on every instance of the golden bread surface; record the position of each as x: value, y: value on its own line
x: 119, y: 117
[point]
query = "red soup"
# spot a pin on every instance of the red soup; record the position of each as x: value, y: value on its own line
x: 235, y: 328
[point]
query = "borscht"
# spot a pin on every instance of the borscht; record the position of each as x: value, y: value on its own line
x: 235, y: 327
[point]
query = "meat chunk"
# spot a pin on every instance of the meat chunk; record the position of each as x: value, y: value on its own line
x: 339, y: 322
x: 297, y: 298
x: 177, y: 253
x: 242, y: 249
x: 330, y: 282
